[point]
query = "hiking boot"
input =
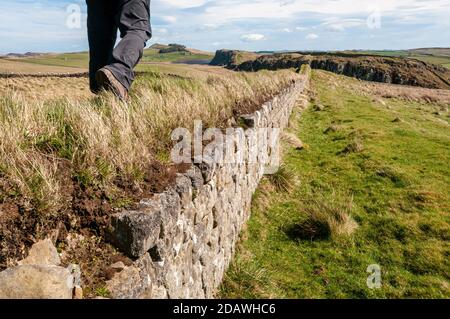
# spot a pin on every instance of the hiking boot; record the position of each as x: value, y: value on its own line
x: 106, y: 79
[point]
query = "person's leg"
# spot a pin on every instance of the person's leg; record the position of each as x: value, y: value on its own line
x: 135, y: 30
x: 102, y: 34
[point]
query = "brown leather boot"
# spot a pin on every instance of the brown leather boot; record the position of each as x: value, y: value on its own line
x: 106, y: 79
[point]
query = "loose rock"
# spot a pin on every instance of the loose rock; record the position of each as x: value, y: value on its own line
x: 36, y: 282
x: 42, y: 253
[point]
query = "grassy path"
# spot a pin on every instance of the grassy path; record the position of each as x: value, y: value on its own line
x: 385, y: 163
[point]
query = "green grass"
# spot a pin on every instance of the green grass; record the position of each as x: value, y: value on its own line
x: 76, y: 60
x: 399, y: 53
x: 440, y: 60
x: 396, y: 188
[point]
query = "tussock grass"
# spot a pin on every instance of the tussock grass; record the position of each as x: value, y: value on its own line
x: 356, y: 146
x: 326, y: 218
x: 283, y: 180
x: 95, y: 140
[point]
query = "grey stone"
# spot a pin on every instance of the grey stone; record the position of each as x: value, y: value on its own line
x: 135, y: 232
x: 127, y: 284
x: 159, y: 293
x: 171, y: 206
x: 195, y: 174
x: 42, y: 253
x: 75, y: 270
x: 36, y: 282
x: 183, y: 186
x: 208, y: 170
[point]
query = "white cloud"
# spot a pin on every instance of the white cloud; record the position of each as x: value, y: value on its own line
x: 301, y: 28
x: 228, y: 10
x: 341, y: 25
x: 253, y: 37
x: 287, y: 30
x: 184, y: 4
x: 160, y: 30
x: 311, y: 36
x: 209, y: 27
x: 169, y: 19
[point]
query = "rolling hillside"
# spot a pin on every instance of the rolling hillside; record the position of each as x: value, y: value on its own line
x: 439, y: 56
x: 365, y: 182
x: 79, y: 61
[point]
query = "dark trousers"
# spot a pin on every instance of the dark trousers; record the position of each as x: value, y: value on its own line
x: 105, y: 17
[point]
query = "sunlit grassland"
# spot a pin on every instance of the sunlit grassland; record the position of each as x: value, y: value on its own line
x: 395, y: 187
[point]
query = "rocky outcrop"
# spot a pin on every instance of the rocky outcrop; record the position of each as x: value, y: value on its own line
x: 387, y: 70
x: 232, y: 58
x: 40, y: 276
x: 391, y: 70
x: 274, y: 62
x: 224, y: 58
x: 183, y: 239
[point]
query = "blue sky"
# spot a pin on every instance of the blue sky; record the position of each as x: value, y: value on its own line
x: 41, y: 25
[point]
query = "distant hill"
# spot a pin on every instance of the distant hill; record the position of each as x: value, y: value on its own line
x: 173, y: 47
x: 22, y: 55
x: 158, y: 46
x: 432, y: 51
x: 75, y: 62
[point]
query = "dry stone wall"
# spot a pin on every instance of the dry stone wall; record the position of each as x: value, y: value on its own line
x: 183, y: 239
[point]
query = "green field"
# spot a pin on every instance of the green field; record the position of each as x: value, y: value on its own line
x: 77, y: 60
x: 380, y: 163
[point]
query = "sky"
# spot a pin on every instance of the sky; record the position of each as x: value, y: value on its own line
x: 60, y: 25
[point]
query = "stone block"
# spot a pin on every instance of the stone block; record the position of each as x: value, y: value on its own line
x: 135, y: 232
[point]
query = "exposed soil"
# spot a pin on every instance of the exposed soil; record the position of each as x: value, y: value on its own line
x: 249, y: 106
x: 79, y: 230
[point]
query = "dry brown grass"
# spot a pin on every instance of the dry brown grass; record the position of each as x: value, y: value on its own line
x: 39, y: 89
x: 10, y: 66
x: 50, y: 123
x: 388, y: 91
x: 283, y: 180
